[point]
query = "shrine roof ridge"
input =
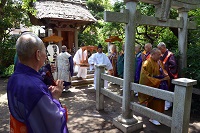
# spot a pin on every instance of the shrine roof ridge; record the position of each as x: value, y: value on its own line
x: 81, y: 2
x: 63, y: 10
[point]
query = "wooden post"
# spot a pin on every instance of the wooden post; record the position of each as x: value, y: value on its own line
x: 182, y: 41
x: 182, y: 104
x: 59, y: 43
x: 76, y: 39
x: 99, y: 84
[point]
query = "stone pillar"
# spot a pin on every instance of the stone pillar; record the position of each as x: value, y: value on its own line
x: 126, y: 122
x: 99, y: 84
x: 76, y: 39
x: 59, y: 43
x: 129, y: 60
x: 163, y: 10
x: 182, y: 104
x: 182, y: 41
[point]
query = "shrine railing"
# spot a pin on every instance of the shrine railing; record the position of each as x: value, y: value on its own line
x: 181, y: 98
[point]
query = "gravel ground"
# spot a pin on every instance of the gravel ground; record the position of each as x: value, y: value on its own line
x: 83, y: 116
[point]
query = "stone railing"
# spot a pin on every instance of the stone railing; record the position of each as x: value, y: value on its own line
x: 181, y: 98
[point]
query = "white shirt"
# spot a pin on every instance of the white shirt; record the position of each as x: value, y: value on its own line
x: 100, y: 58
x: 79, y: 56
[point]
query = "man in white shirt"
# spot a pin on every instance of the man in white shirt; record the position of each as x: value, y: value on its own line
x: 65, y: 67
x: 100, y: 58
x: 81, y: 58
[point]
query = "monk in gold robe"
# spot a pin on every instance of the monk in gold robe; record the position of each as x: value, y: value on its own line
x: 154, y: 75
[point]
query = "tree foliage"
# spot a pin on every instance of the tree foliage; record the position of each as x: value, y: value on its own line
x: 93, y: 35
x: 11, y: 16
x: 193, y: 64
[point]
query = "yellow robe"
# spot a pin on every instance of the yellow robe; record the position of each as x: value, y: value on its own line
x: 149, y: 69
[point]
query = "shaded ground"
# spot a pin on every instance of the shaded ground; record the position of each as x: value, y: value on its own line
x: 83, y: 116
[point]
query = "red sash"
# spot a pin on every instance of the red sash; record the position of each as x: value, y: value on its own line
x: 19, y: 127
x: 148, y: 56
x: 165, y: 60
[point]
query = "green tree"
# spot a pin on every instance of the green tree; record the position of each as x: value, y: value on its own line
x: 92, y: 34
x: 11, y: 16
x: 115, y: 29
x: 193, y: 65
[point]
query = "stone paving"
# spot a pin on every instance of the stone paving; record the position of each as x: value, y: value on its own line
x: 83, y: 116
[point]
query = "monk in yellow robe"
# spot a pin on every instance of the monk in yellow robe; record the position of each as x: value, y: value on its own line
x: 153, y: 74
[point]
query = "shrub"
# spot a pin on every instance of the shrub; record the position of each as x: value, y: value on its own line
x: 8, y: 71
x: 7, y: 51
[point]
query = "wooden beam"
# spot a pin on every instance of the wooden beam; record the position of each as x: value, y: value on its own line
x: 116, y: 17
x: 112, y: 79
x: 111, y: 95
x: 158, y: 93
x: 65, y: 29
x: 178, y: 5
x: 155, y: 2
x: 191, y: 2
x: 146, y: 20
x: 163, y: 118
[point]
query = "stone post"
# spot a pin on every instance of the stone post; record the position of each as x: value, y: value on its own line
x: 99, y: 84
x: 129, y: 57
x: 182, y: 40
x: 126, y: 122
x: 182, y: 104
x: 163, y: 10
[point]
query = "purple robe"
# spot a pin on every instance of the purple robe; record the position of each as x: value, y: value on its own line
x: 31, y: 103
x: 170, y: 65
x: 138, y: 66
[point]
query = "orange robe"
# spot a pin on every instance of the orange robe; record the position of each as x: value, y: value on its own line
x: 19, y: 127
x: 149, y: 69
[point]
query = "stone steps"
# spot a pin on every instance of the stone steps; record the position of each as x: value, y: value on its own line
x: 89, y: 79
x: 82, y: 82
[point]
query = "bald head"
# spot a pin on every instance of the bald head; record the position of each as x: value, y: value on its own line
x: 64, y: 48
x: 162, y: 47
x: 148, y: 47
x: 27, y: 44
x: 137, y: 48
x: 155, y: 54
x: 31, y: 50
x: 113, y: 48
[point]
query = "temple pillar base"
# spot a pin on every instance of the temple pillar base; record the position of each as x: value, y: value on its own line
x: 128, y: 128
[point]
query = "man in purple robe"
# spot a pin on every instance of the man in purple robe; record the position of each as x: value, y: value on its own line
x: 138, y: 63
x: 170, y: 66
x: 30, y: 101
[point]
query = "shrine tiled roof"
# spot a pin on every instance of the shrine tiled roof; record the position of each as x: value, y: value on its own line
x: 65, y: 9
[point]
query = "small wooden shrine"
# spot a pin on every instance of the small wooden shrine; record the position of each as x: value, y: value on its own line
x: 64, y: 18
